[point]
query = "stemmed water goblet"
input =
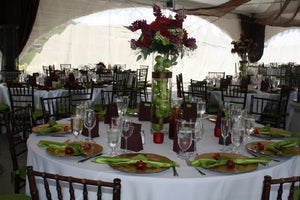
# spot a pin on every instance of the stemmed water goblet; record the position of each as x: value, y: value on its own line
x: 76, y: 125
x: 127, y: 130
x: 113, y: 139
x: 89, y: 121
x: 226, y: 128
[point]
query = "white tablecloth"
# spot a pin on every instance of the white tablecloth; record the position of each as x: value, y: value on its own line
x: 188, y: 185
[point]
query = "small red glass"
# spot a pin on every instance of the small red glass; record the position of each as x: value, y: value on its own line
x: 158, y: 137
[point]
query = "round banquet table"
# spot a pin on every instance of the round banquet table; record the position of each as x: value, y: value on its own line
x: 189, y: 184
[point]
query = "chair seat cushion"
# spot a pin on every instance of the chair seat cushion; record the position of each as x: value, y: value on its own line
x: 4, y: 107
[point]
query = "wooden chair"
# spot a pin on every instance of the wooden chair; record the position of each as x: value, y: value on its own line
x: 81, y: 93
x: 269, y: 110
x: 61, y: 182
x: 120, y: 80
x: 236, y: 94
x: 268, y: 182
x: 9, y: 75
x: 142, y: 75
x: 107, y: 97
x: 179, y: 84
x: 20, y: 96
x: 56, y: 107
x: 18, y: 124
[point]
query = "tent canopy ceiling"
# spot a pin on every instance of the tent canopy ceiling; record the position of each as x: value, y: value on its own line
x: 281, y: 13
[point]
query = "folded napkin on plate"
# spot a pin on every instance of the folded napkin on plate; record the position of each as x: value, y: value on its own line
x: 267, y: 131
x: 133, y: 160
x: 61, y: 146
x: 50, y: 129
x: 210, y: 162
x: 278, y: 147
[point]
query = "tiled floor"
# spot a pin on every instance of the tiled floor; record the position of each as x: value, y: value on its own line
x: 6, y: 187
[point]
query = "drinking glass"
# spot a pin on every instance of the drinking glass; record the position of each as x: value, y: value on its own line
x: 125, y: 105
x: 237, y: 137
x: 77, y: 125
x: 198, y: 132
x: 89, y: 121
x: 249, y: 127
x: 113, y: 140
x: 201, y: 107
x: 226, y: 126
x: 185, y: 138
x: 127, y: 130
x: 115, y: 122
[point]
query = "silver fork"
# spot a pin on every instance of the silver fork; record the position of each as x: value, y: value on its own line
x: 188, y: 162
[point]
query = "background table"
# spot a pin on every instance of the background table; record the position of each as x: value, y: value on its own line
x: 188, y: 185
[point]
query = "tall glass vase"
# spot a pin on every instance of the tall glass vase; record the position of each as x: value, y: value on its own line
x: 161, y: 93
x: 243, y: 65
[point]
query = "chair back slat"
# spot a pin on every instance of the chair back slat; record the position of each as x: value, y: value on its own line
x: 59, y: 179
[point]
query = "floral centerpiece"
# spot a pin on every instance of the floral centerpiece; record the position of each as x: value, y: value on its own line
x: 169, y: 40
x: 245, y: 48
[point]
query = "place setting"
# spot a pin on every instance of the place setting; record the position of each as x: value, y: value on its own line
x: 125, y: 140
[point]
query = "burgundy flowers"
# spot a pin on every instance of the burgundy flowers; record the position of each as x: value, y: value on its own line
x: 164, y: 36
x: 244, y: 46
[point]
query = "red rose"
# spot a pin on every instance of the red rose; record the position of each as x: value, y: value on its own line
x: 260, y: 146
x: 230, y: 163
x: 86, y: 146
x: 147, y: 41
x: 164, y: 32
x: 69, y: 150
x: 216, y: 156
x: 140, y: 165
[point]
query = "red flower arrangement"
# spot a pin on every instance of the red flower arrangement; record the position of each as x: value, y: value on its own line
x: 244, y: 46
x: 164, y: 36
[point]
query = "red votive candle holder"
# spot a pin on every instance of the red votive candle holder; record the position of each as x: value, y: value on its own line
x: 158, y: 137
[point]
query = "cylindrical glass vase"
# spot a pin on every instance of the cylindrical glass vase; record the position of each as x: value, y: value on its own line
x: 161, y: 94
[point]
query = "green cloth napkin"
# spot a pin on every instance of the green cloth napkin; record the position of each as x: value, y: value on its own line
x: 278, y: 147
x: 133, y: 160
x: 50, y: 129
x: 210, y: 162
x: 58, y: 145
x: 132, y: 111
x: 267, y: 131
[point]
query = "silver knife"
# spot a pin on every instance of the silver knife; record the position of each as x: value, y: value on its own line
x: 89, y: 157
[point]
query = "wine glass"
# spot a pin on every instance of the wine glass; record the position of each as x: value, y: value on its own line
x: 127, y: 130
x: 113, y: 139
x: 89, y: 121
x: 226, y: 126
x: 185, y: 140
x: 77, y: 125
x: 237, y: 137
x: 120, y: 104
